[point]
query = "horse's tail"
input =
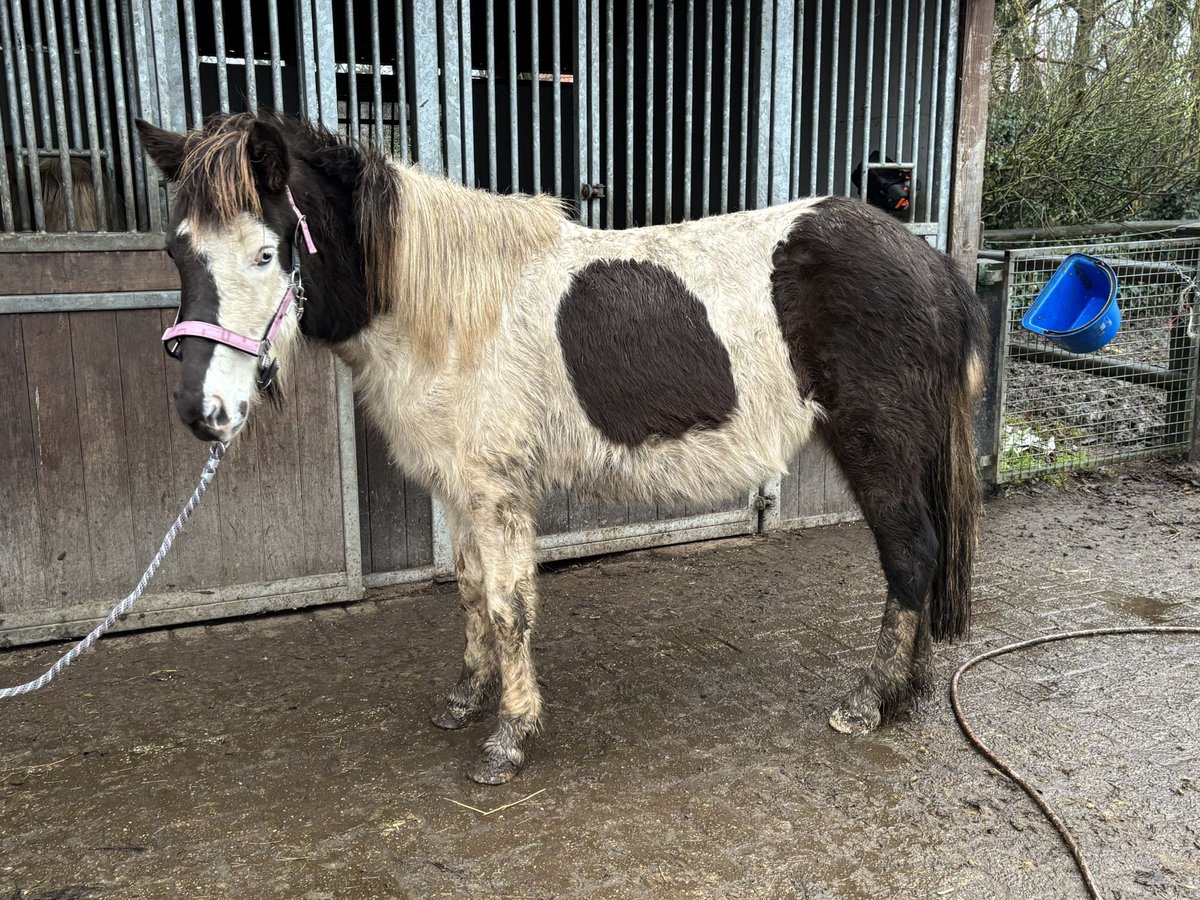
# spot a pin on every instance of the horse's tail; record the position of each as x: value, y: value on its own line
x: 952, y: 480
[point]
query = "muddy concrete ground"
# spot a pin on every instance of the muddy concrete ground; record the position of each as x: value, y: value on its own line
x: 685, y: 753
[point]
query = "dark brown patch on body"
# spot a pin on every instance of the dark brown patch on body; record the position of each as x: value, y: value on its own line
x: 642, y: 356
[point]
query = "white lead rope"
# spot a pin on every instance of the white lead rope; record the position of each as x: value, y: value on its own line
x: 215, y: 454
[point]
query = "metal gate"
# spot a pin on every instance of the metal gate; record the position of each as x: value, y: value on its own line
x: 633, y: 112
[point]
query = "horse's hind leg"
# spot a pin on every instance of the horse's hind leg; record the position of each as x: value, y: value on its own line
x: 503, y: 530
x: 480, y: 677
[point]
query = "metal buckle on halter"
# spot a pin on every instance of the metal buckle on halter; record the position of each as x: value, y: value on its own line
x: 268, y: 367
x: 172, y: 346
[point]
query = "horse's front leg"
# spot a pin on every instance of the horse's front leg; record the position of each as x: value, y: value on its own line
x: 504, y: 532
x: 479, y: 680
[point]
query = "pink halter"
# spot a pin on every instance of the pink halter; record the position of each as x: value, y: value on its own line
x: 261, y: 347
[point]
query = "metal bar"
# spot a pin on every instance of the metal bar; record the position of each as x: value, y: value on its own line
x: 17, y: 304
x: 689, y: 81
x: 7, y: 222
x: 669, y: 154
x: 106, y: 137
x: 427, y: 105
x: 726, y: 106
x: 248, y: 58
x: 932, y: 214
x: 886, y: 92
x: 276, y: 61
x: 491, y: 97
x: 75, y: 119
x: 24, y: 242
x: 797, y: 96
x: 406, y: 151
x: 39, y: 70
x: 593, y: 94
x: 90, y: 113
x: 56, y: 89
x: 642, y: 534
x: 581, y: 107
x: 831, y: 176
x: 783, y: 112
x: 514, y: 128
x: 818, y: 66
x: 630, y: 114
x: 536, y: 100
x: 706, y: 156
x: 35, y: 176
x: 610, y: 151
x: 376, y: 77
x: 949, y: 102
x: 1129, y: 370
x: 14, y: 120
x: 556, y: 72
x: 468, y: 100
x: 901, y: 106
x: 351, y: 75
x: 865, y: 153
x: 743, y: 184
x: 162, y: 43
x: 222, y: 66
x: 452, y: 120
x: 762, y: 165
x: 306, y: 61
x: 193, y: 62
x: 649, y: 192
x: 326, y: 63
x: 143, y: 98
x: 851, y: 96
x: 915, y: 153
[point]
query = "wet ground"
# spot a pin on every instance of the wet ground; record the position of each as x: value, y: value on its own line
x: 685, y: 754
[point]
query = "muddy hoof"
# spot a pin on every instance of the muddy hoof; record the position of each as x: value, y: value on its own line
x: 495, y: 770
x: 451, y: 719
x: 854, y: 720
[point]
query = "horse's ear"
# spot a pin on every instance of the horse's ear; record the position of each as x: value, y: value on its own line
x: 165, y: 148
x: 268, y: 156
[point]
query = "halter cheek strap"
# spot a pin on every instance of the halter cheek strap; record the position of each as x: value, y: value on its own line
x: 261, y: 348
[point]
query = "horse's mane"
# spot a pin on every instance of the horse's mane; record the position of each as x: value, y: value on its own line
x: 442, y: 259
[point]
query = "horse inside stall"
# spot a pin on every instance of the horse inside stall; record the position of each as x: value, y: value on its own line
x: 505, y: 351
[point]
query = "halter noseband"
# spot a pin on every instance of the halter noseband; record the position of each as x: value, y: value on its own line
x: 261, y: 348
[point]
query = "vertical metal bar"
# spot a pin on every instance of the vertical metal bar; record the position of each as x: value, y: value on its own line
x: 689, y: 81
x: 193, y: 62
x: 452, y: 120
x: 649, y: 192
x: 406, y: 151
x: 556, y: 72
x: 762, y: 165
x: 781, y: 100
x: 901, y: 106
x: 7, y: 222
x: 931, y: 215
x: 14, y: 116
x: 726, y: 107
x: 376, y: 76
x: 535, y: 84
x: 831, y: 177
x: 706, y: 156
x: 514, y: 128
x: 162, y: 43
x: 351, y: 74
x: 39, y: 71
x: 865, y: 152
x: 56, y: 88
x: 276, y: 62
x: 630, y: 114
x: 124, y: 142
x: 851, y: 96
x: 491, y: 97
x: 89, y: 105
x: 582, y: 139
x: 427, y: 103
x: 222, y: 65
x: 594, y: 112
x: 610, y: 150
x: 914, y: 155
x: 306, y: 60
x: 468, y: 99
x: 144, y: 99
x: 669, y: 155
x: 886, y: 89
x: 743, y: 185
x: 74, y: 119
x: 797, y: 96
x: 106, y: 137
x: 326, y: 63
x: 949, y: 100
x: 817, y: 65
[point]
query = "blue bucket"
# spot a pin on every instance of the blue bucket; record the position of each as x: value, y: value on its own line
x: 1077, y: 309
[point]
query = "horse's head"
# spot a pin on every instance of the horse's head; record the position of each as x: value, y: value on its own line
x: 233, y: 235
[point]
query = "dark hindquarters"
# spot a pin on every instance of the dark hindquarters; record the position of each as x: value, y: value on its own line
x: 886, y: 335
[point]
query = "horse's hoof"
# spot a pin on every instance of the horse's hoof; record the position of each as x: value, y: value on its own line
x: 495, y: 770
x: 451, y: 719
x: 854, y: 720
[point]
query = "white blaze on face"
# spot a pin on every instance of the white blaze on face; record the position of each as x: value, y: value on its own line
x: 251, y: 277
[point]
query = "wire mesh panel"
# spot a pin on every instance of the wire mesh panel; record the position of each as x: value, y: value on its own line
x: 1133, y: 398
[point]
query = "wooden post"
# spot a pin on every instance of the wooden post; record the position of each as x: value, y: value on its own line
x: 974, y: 76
